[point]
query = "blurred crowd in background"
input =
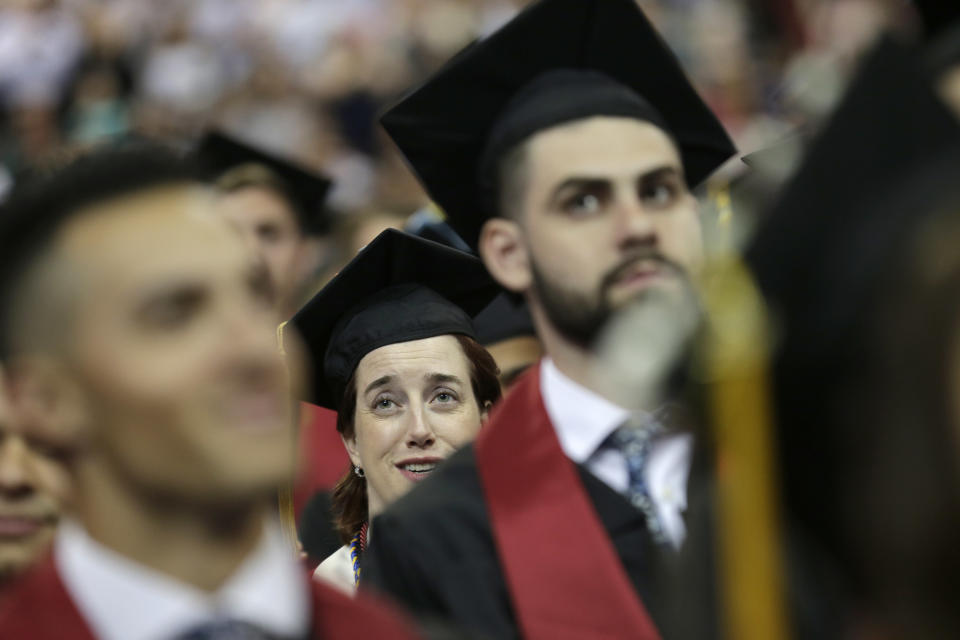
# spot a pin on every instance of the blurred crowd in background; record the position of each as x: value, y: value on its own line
x: 306, y: 78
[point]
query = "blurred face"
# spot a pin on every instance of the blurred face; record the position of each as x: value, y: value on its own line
x: 415, y: 407
x: 270, y: 225
x: 514, y: 356
x: 173, y: 348
x: 34, y: 483
x: 605, y: 218
x: 949, y: 87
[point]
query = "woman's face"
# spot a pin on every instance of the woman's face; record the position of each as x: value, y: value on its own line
x: 415, y: 407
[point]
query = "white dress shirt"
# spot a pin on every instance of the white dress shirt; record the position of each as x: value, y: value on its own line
x: 123, y: 600
x: 583, y: 420
x: 337, y: 571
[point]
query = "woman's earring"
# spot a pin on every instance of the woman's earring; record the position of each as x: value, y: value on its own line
x: 359, y: 472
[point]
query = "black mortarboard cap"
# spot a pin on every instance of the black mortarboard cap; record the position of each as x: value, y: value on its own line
x: 397, y: 289
x: 504, y: 318
x: 436, y: 230
x: 218, y: 153
x: 557, y: 61
x: 937, y: 16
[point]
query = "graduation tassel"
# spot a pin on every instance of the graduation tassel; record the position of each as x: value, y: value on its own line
x: 735, y: 361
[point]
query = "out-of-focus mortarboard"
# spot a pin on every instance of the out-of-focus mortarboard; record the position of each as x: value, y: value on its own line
x: 889, y: 121
x: 937, y: 16
x: 823, y: 257
x: 399, y: 288
x: 556, y: 62
x: 218, y: 154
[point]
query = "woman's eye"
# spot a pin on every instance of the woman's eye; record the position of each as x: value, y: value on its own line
x: 384, y: 403
x: 445, y: 397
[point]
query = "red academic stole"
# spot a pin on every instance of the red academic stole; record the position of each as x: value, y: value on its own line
x: 565, y: 579
x: 37, y: 606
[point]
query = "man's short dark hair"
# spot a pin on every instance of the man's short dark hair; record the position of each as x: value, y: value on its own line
x: 45, y: 198
x: 512, y: 176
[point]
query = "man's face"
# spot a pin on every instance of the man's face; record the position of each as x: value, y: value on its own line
x: 270, y: 226
x: 34, y: 484
x: 606, y: 219
x: 173, y: 347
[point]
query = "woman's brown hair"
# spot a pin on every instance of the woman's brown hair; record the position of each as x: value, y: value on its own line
x: 349, y: 499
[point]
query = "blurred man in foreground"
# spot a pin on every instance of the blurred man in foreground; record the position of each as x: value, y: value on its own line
x: 140, y: 322
x: 34, y: 483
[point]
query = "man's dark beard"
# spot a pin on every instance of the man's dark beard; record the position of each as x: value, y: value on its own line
x: 581, y: 318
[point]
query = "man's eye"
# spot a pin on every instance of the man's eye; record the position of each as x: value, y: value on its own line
x: 659, y: 195
x: 583, y: 203
x: 173, y: 311
x: 50, y: 450
x: 268, y: 233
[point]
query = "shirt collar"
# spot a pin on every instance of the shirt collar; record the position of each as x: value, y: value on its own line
x: 123, y: 600
x: 581, y: 418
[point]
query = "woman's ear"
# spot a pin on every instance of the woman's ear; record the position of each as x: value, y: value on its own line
x: 485, y: 412
x: 350, y: 444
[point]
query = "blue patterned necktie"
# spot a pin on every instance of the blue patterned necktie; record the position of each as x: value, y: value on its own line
x: 228, y: 630
x: 634, y: 440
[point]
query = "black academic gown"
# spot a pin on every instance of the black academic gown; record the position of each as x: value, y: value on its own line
x: 433, y: 551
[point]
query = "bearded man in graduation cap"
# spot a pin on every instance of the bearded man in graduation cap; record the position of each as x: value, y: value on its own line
x: 562, y: 148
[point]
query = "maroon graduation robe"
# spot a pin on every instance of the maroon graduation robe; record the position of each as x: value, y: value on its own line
x: 510, y: 538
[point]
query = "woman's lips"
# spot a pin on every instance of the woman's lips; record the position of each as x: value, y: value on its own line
x: 416, y: 469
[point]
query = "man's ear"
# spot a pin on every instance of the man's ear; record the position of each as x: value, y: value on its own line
x: 505, y: 254
x: 351, y: 445
x: 44, y: 394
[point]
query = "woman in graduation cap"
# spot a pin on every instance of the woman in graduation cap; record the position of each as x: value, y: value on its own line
x: 395, y: 354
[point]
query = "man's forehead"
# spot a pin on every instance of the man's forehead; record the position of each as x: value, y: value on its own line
x: 595, y: 147
x: 159, y: 225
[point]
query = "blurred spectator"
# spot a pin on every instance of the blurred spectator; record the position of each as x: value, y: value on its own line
x: 181, y: 76
x: 34, y: 484
x: 98, y: 109
x: 40, y: 43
